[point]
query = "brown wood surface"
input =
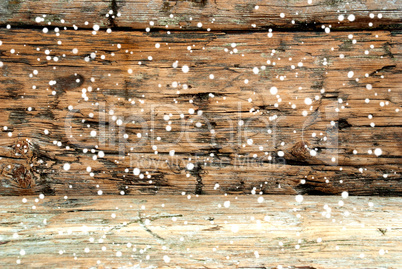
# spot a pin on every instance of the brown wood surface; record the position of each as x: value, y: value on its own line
x: 213, y: 14
x: 58, y: 125
x: 200, y: 232
x: 87, y: 114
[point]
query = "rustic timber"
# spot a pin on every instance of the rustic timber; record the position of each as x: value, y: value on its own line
x: 195, y: 97
x: 111, y: 77
x: 214, y: 14
x: 200, y: 232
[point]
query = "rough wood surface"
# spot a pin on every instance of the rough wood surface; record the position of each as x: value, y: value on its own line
x: 243, y: 14
x: 42, y: 101
x: 195, y: 97
x: 200, y: 232
x: 213, y: 14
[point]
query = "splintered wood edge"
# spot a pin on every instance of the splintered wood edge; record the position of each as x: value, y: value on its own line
x: 299, y: 15
x: 200, y: 232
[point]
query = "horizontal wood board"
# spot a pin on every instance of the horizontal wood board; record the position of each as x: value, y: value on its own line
x: 301, y: 15
x: 230, y: 134
x: 200, y: 232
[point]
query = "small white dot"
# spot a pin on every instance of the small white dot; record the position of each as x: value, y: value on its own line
x: 136, y: 171
x: 273, y: 90
x: 185, y: 69
x: 190, y: 166
x: 377, y: 151
x: 66, y: 166
x: 308, y: 101
x: 166, y: 259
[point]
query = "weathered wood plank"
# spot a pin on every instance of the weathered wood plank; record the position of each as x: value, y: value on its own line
x: 200, y: 232
x: 216, y: 14
x: 60, y: 13
x: 262, y: 15
x: 302, y: 66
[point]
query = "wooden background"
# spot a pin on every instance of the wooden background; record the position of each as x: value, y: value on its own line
x: 72, y: 68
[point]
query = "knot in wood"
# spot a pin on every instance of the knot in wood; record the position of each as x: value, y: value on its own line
x: 300, y: 151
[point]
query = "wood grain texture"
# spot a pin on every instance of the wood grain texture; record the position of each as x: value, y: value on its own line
x: 56, y: 12
x: 243, y: 14
x: 200, y: 232
x: 215, y: 14
x: 55, y: 97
